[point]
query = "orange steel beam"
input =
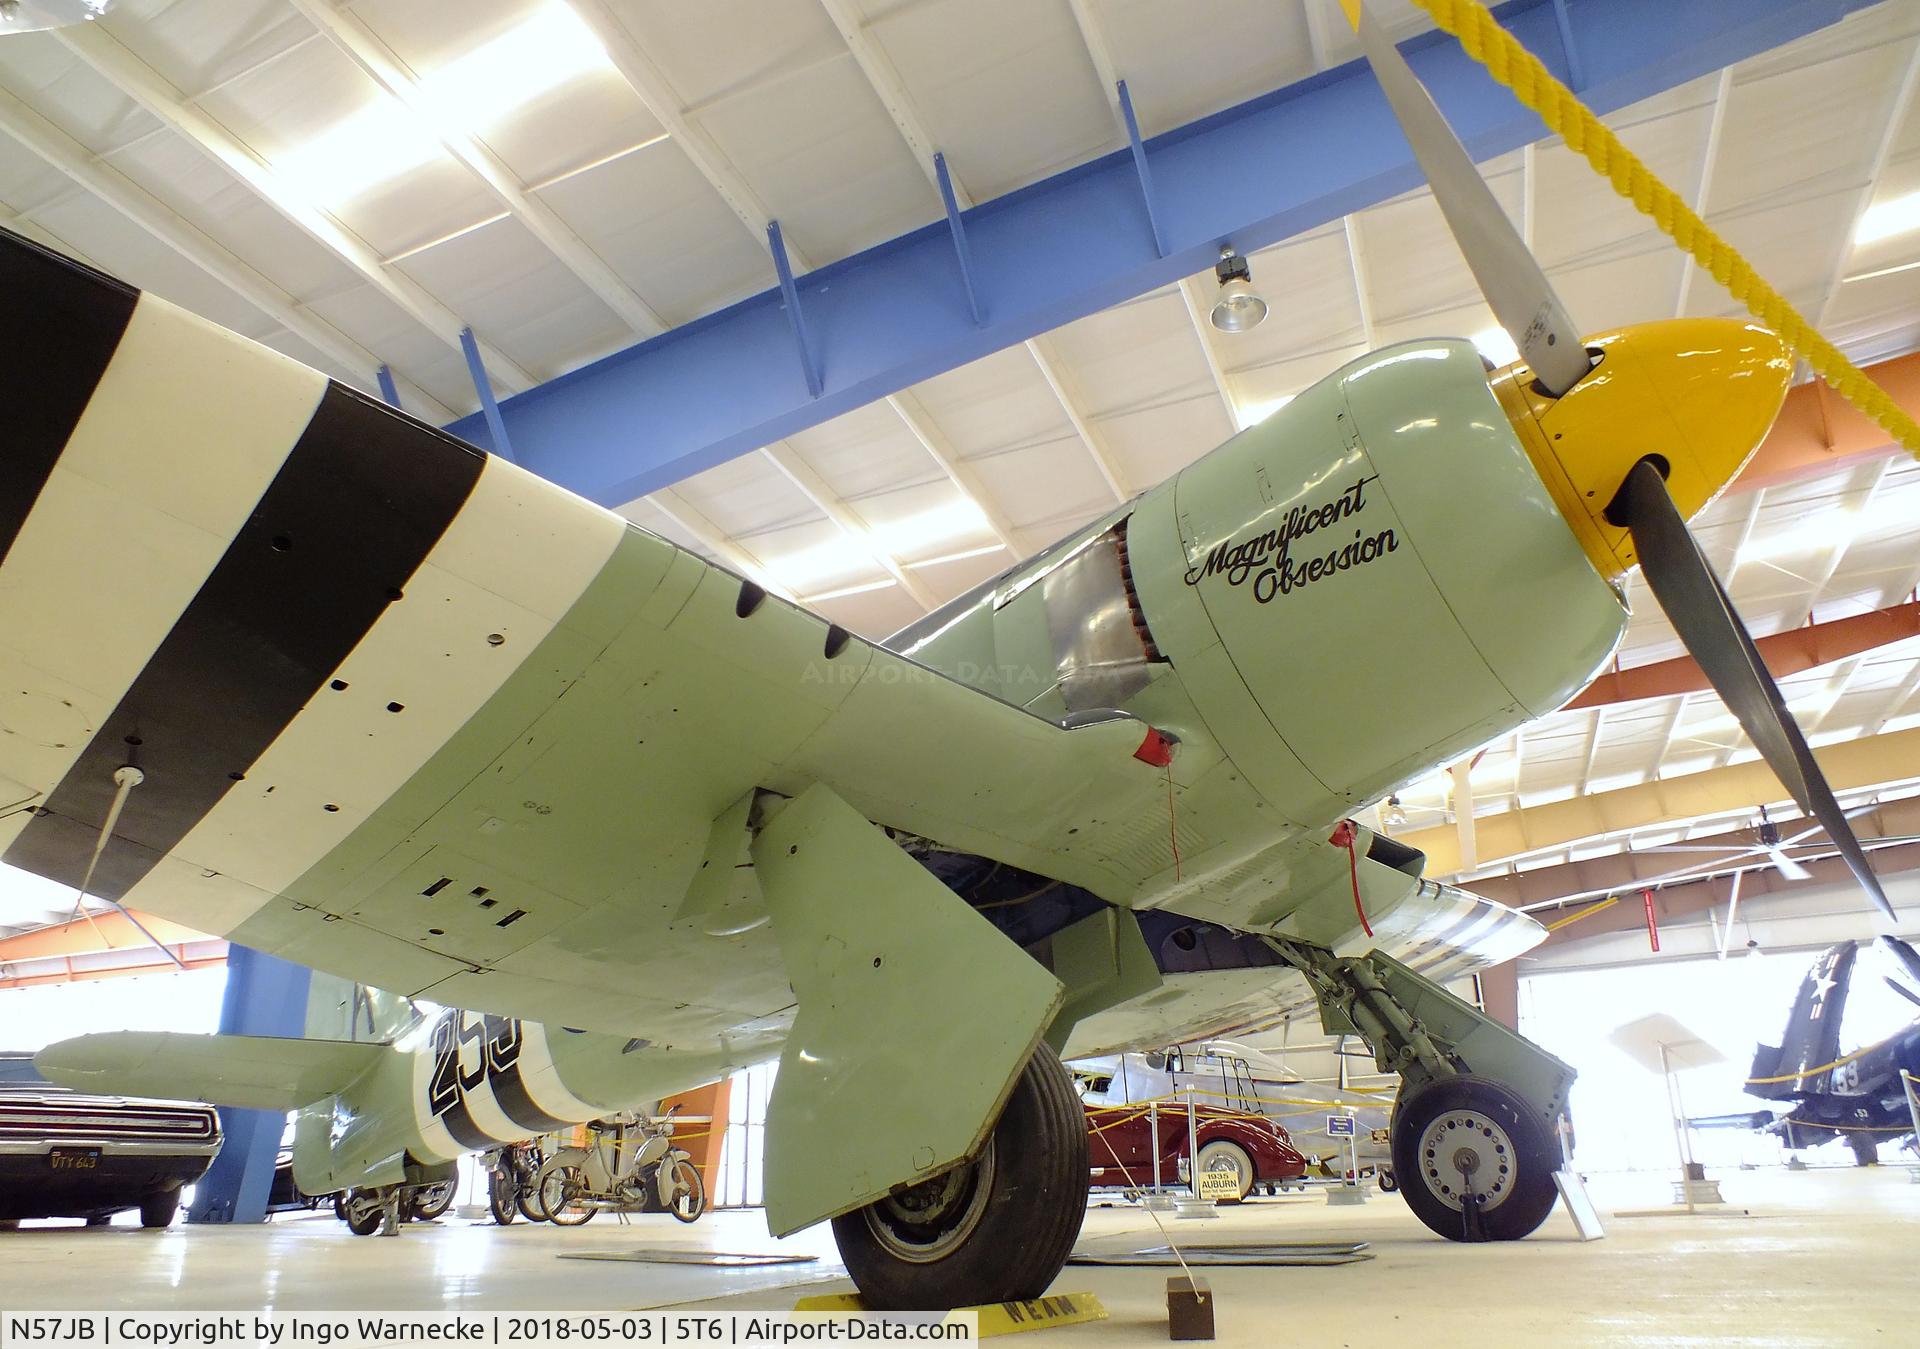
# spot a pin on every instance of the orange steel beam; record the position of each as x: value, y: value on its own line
x: 1786, y: 653
x: 702, y: 1141
x: 1818, y: 431
x: 80, y: 937
x: 159, y: 965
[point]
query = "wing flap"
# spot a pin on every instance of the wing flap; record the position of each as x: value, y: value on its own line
x: 253, y: 1071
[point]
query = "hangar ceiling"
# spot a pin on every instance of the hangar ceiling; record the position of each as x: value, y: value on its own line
x: 630, y: 134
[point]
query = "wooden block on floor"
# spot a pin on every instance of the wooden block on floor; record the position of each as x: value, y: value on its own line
x: 1189, y: 1308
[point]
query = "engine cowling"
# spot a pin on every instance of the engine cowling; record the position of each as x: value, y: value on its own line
x: 1369, y: 583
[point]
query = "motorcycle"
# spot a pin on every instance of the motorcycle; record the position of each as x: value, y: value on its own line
x: 624, y: 1165
x: 513, y: 1183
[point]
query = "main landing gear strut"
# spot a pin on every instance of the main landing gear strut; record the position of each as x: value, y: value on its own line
x: 1473, y: 1132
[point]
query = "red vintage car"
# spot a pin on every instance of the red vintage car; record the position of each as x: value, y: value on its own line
x: 1120, y: 1146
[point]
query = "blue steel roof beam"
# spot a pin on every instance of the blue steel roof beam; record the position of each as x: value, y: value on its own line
x: 959, y: 228
x: 483, y: 389
x: 810, y: 364
x: 1576, y: 74
x: 1194, y: 296
x: 885, y: 81
x: 1141, y: 168
x: 656, y: 91
x: 1073, y: 244
x: 887, y: 86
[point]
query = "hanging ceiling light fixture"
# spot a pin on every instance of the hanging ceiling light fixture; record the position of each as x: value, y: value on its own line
x: 1239, y: 306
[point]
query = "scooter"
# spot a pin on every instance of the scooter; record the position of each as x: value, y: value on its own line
x: 625, y: 1164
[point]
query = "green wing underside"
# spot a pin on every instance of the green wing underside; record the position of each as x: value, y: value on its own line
x: 535, y: 865
x: 255, y: 1072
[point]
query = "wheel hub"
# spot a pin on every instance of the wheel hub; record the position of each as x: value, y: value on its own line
x: 1464, y: 1152
x: 925, y: 1222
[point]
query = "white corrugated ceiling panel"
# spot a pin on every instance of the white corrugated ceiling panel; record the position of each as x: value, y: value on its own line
x: 653, y: 219
x: 499, y: 280
x: 201, y: 44
x: 1005, y: 87
x: 866, y: 451
x: 1184, y: 62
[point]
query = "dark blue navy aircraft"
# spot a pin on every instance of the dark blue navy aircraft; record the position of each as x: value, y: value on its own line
x: 1861, y: 1096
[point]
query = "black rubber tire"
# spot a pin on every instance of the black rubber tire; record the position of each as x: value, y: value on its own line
x: 9, y: 1224
x: 1030, y: 1219
x: 1221, y: 1147
x: 502, y: 1197
x: 688, y: 1203
x: 561, y: 1183
x: 430, y: 1201
x: 1531, y: 1192
x: 157, y: 1210
x: 1866, y: 1149
x: 1388, y: 1181
x: 530, y: 1206
x: 363, y: 1224
x: 100, y: 1220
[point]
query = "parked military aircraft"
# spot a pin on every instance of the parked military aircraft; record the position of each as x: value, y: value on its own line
x: 284, y: 664
x: 1859, y: 1096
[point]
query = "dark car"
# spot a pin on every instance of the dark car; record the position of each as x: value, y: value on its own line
x: 64, y: 1154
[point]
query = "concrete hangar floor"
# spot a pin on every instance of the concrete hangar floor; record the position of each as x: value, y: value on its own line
x: 1820, y: 1257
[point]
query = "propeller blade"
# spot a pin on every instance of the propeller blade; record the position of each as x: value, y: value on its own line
x: 1703, y: 616
x: 1903, y: 952
x: 1508, y: 274
x: 1904, y: 991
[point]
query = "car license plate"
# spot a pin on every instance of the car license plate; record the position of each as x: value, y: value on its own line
x: 74, y: 1159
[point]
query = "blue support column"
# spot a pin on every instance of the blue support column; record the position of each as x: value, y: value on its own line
x: 1576, y: 77
x: 1142, y: 170
x: 489, y: 407
x: 1073, y: 244
x: 790, y: 297
x: 265, y: 996
x: 959, y: 229
x: 388, y: 390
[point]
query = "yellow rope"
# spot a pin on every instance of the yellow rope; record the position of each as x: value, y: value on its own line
x: 1852, y: 1128
x: 1825, y: 1067
x: 1210, y: 1113
x: 1512, y: 65
x: 1587, y: 912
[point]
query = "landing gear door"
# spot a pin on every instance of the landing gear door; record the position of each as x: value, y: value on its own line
x: 916, y: 1016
